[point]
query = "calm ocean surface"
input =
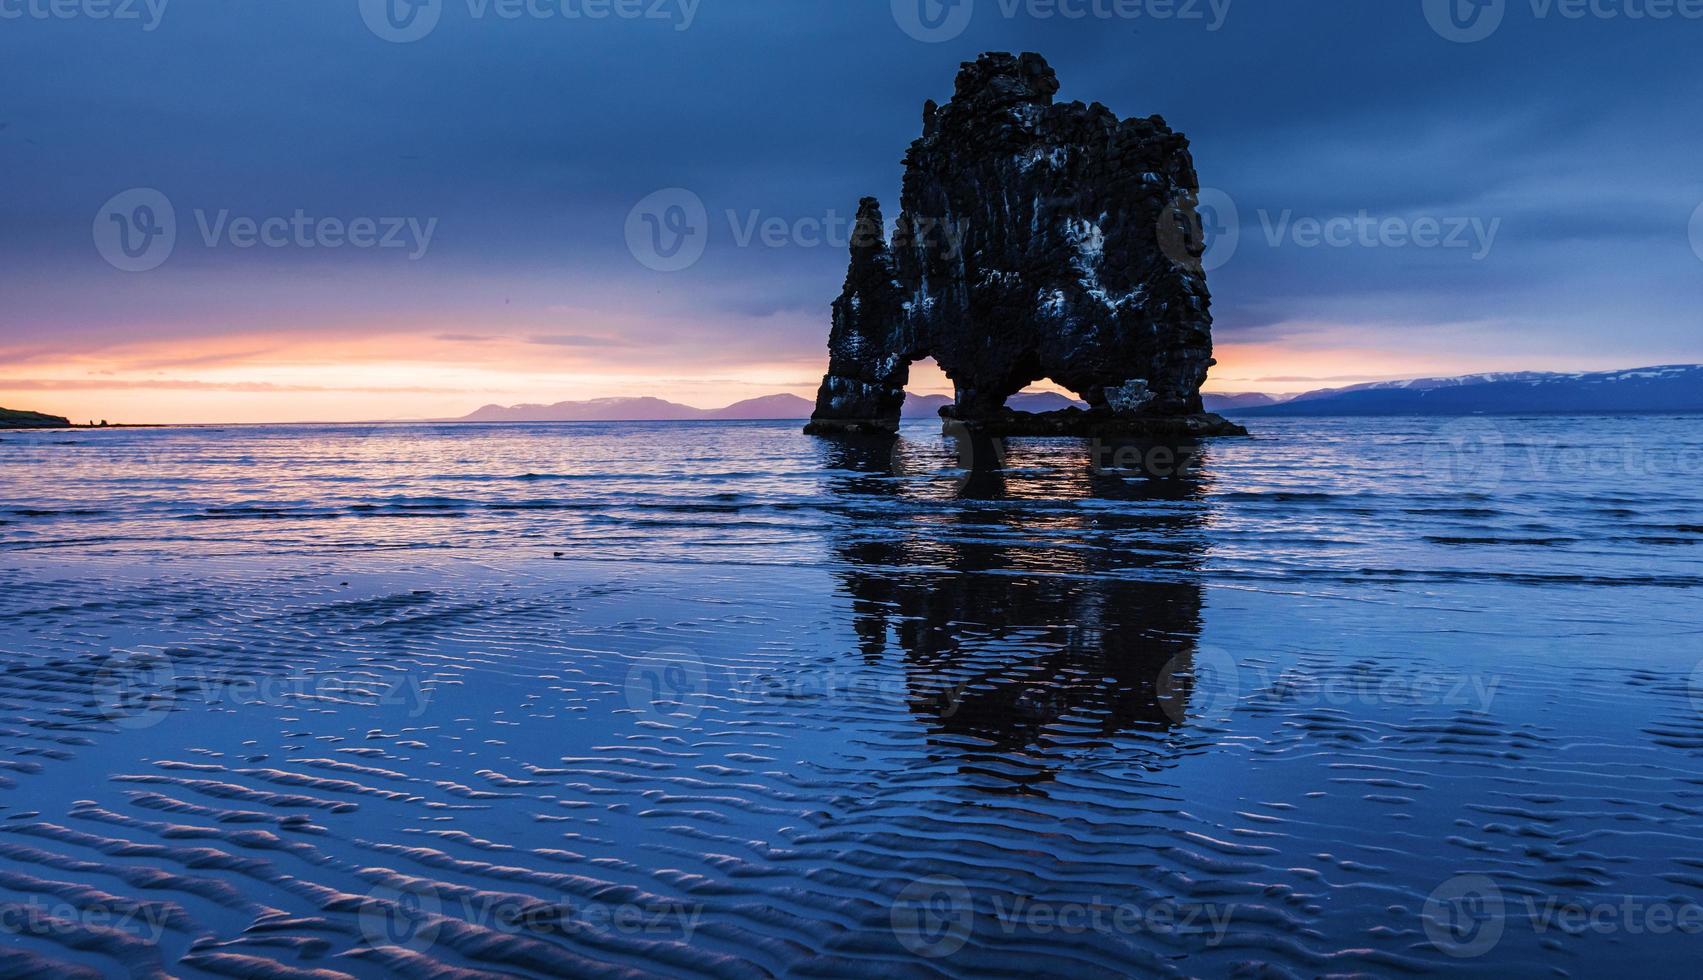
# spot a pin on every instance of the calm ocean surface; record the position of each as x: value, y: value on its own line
x: 1380, y: 696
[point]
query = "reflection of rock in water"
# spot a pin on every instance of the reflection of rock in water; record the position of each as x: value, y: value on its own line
x: 1024, y: 612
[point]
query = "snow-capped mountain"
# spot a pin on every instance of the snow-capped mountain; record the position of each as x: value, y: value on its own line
x: 1669, y: 388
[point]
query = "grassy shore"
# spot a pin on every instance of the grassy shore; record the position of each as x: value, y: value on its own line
x: 10, y: 419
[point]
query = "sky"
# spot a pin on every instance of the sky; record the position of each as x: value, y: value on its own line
x: 269, y: 210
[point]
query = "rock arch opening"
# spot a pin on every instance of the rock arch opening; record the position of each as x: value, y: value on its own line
x: 928, y: 389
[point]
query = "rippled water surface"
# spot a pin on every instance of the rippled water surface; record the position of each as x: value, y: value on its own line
x: 1374, y: 696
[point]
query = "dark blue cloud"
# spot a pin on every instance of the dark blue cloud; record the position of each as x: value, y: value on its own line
x: 530, y: 139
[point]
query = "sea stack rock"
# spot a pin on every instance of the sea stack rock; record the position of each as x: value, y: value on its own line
x: 1035, y: 241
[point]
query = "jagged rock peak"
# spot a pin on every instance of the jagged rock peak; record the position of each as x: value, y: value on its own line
x: 1035, y: 241
x: 1002, y: 79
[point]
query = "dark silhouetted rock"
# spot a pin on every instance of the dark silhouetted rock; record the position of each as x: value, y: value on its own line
x: 1036, y: 240
x: 10, y: 419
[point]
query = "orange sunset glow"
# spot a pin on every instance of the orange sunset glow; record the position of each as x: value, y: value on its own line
x: 446, y: 374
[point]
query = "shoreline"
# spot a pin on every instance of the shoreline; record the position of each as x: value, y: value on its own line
x: 1232, y: 416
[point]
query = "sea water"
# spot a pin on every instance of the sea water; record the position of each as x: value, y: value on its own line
x: 1352, y: 696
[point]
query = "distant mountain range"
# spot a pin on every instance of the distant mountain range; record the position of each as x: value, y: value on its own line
x: 769, y: 407
x: 929, y: 406
x: 1674, y: 388
x: 646, y: 410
